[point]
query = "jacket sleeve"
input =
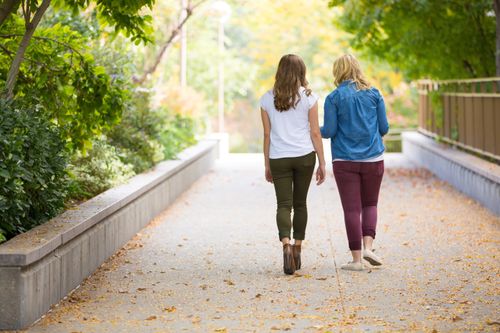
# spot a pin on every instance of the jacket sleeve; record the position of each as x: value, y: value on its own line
x: 329, y: 128
x: 383, y: 125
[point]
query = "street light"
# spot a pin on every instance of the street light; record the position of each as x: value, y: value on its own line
x: 223, y: 11
x: 183, y: 49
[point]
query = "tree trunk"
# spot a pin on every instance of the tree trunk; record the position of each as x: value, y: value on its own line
x: 496, y: 4
x: 16, y: 62
x: 188, y: 13
x: 6, y: 8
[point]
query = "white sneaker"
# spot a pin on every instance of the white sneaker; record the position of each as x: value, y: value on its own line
x: 353, y: 266
x: 372, y: 258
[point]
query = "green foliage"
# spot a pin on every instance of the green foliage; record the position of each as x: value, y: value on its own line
x: 454, y: 133
x: 86, y: 25
x: 60, y: 74
x: 436, y: 100
x: 124, y: 15
x: 136, y: 137
x: 96, y: 171
x: 81, y: 87
x: 32, y: 169
x: 425, y: 38
x: 146, y: 136
x: 393, y: 146
x: 177, y: 133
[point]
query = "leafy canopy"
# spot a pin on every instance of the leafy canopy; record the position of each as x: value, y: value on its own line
x: 124, y: 15
x: 59, y: 72
x: 425, y: 38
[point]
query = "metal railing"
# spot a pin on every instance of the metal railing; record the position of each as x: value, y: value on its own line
x: 465, y: 113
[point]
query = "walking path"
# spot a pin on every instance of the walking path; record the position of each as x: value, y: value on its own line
x: 212, y: 263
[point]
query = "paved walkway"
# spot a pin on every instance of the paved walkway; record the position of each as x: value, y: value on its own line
x: 212, y: 263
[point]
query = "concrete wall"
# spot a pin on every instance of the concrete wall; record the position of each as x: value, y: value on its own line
x: 473, y: 176
x: 41, y: 266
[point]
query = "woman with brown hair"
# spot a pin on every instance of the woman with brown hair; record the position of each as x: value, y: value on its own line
x: 355, y: 120
x: 292, y: 139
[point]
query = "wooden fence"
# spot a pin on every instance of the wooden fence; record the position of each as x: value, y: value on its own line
x: 465, y: 113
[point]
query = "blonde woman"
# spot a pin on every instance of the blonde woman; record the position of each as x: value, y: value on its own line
x: 355, y: 120
x: 292, y: 140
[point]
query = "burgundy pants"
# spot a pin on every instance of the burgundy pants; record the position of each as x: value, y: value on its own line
x: 359, y: 186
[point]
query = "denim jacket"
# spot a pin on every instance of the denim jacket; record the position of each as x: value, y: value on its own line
x: 355, y: 120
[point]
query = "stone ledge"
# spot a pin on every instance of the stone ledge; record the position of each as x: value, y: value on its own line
x: 471, y: 175
x: 41, y: 266
x: 33, y: 245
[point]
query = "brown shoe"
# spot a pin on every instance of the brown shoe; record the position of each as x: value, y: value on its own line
x: 288, y: 262
x: 296, y: 256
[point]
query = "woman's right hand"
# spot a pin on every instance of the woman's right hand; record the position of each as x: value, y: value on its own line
x: 269, y: 176
x: 320, y: 174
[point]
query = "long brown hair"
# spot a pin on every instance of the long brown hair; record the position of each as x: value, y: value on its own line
x: 290, y: 76
x: 347, y: 67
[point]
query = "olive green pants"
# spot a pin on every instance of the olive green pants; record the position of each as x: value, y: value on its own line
x: 291, y: 178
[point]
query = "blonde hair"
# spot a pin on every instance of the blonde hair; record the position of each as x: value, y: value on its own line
x: 290, y: 76
x: 347, y: 67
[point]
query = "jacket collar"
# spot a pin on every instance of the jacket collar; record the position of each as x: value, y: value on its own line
x: 344, y: 83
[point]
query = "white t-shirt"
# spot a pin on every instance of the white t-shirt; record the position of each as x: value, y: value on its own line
x: 290, y: 130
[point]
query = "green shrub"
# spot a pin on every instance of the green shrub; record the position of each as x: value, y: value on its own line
x: 177, y: 133
x: 436, y: 100
x: 96, y: 171
x: 147, y: 136
x: 33, y: 159
x: 135, y: 138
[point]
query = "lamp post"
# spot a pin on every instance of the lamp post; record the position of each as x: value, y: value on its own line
x: 183, y: 51
x: 223, y: 11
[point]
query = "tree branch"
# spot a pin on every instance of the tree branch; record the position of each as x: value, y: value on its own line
x: 469, y: 68
x: 6, y: 8
x: 7, y: 51
x: 69, y: 47
x: 175, y: 31
x: 41, y: 64
x: 16, y: 63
